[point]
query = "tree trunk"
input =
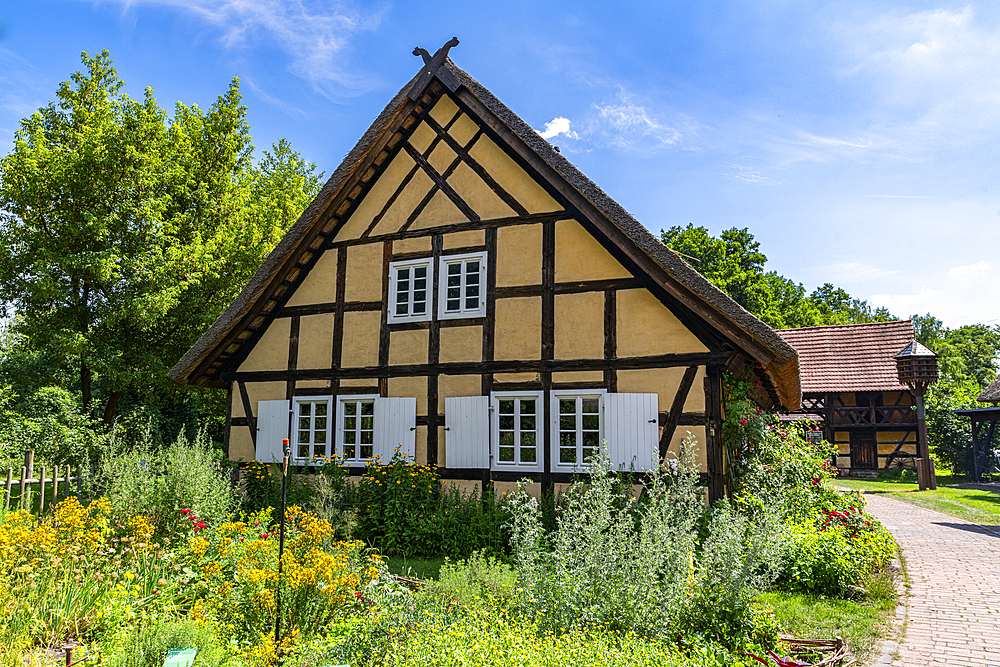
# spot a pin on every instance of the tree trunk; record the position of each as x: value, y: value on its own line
x: 85, y: 377
x: 111, y: 408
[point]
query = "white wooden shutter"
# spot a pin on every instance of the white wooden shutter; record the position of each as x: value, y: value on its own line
x: 395, y: 424
x: 632, y: 430
x: 467, y: 432
x: 272, y: 428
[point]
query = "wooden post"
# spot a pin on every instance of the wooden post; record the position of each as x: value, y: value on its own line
x: 24, y: 477
x: 29, y: 462
x: 925, y: 479
x: 41, y: 496
x: 6, y: 492
x: 68, y: 488
x: 79, y: 480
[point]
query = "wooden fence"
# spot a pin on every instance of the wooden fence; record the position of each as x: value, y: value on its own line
x: 53, y: 486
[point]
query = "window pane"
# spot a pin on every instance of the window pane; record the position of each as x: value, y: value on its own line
x: 567, y: 422
x: 454, y: 281
x: 402, y: 274
x: 367, y: 451
x: 506, y: 438
x: 528, y: 455
x: 350, y: 437
x: 507, y: 422
x: 527, y: 406
x: 472, y: 304
x: 507, y: 406
x: 591, y: 439
x: 567, y: 406
x: 351, y: 408
x: 420, y: 272
x: 592, y: 422
x: 319, y: 450
x: 303, y: 451
x: 321, y: 409
x: 567, y: 455
x: 366, y: 423
x: 349, y: 451
x: 319, y: 436
x: 528, y: 423
x: 368, y: 407
x: 304, y: 422
x: 507, y: 454
x: 472, y: 267
x: 591, y: 405
x: 303, y: 436
x: 527, y: 440
x: 587, y: 454
x: 454, y: 270
x: 320, y: 423
x: 454, y: 292
x: 472, y: 280
x: 419, y: 295
x: 472, y: 290
x: 350, y: 423
x: 454, y: 304
x: 420, y: 308
x: 305, y: 409
x: 367, y: 438
x: 567, y: 440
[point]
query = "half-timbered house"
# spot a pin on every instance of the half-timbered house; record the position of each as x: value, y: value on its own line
x: 460, y: 289
x: 852, y: 393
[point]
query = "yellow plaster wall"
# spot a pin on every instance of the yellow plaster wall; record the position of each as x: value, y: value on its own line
x: 359, y: 382
x: 422, y: 137
x: 441, y: 157
x: 580, y: 257
x: 474, y: 192
x: 364, y: 273
x: 847, y: 398
x: 411, y: 386
x: 444, y: 110
x: 441, y: 210
x: 404, y: 204
x: 698, y: 432
x: 473, y: 237
x: 241, y: 444
x: 895, y: 436
x: 263, y: 391
x: 420, y: 446
x: 271, y: 351
x: 518, y: 329
x: 519, y: 255
x: 408, y: 347
x: 320, y: 284
x: 460, y: 344
x: 662, y: 381
x: 450, y: 386
x: 313, y: 384
x: 361, y: 336
x: 463, y: 130
x: 415, y: 244
x: 534, y: 489
x: 884, y: 449
x: 315, y: 341
x: 376, y: 198
x: 511, y: 177
x: 578, y: 376
x: 237, y: 402
x: 646, y: 327
x: 579, y: 323
x: 696, y: 397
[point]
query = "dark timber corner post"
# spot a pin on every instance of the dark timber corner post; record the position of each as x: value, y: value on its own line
x: 713, y: 432
x: 917, y: 368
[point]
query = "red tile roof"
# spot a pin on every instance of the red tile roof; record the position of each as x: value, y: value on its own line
x: 850, y: 357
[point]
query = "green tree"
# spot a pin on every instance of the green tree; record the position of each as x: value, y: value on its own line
x: 836, y: 306
x: 966, y: 353
x: 127, y: 231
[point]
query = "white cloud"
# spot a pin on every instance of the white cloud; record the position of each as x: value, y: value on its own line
x: 626, y: 125
x: 907, y: 303
x: 558, y: 126
x: 977, y: 270
x: 750, y: 175
x: 313, y: 33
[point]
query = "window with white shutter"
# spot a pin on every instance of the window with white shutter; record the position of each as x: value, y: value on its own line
x: 632, y: 431
x: 356, y: 429
x: 395, y: 426
x: 518, y: 431
x: 577, y: 428
x: 467, y: 432
x: 272, y: 429
x: 410, y: 284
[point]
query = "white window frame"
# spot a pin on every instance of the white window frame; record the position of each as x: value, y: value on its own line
x: 496, y: 463
x: 294, y: 435
x: 357, y: 460
x: 555, y: 396
x: 411, y: 264
x: 463, y: 311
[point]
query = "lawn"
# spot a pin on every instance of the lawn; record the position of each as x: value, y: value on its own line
x: 975, y: 505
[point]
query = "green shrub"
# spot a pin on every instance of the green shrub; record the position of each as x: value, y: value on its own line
x: 479, y: 577
x: 160, y: 482
x: 147, y: 645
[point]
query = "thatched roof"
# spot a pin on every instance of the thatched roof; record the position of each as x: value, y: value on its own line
x: 992, y: 393
x: 723, y: 314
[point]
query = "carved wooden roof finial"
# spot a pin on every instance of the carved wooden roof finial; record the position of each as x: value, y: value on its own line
x: 432, y: 68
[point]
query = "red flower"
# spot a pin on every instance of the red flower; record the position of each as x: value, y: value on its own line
x: 185, y: 511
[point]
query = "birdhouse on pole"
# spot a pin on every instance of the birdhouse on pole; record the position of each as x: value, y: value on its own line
x: 917, y: 368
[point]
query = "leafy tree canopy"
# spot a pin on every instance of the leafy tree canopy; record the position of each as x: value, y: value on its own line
x: 128, y: 230
x: 968, y: 353
x: 735, y: 264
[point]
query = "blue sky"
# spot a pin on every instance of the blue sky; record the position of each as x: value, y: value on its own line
x: 857, y: 140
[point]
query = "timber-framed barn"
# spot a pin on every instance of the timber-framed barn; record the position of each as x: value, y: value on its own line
x: 460, y: 289
x: 851, y: 391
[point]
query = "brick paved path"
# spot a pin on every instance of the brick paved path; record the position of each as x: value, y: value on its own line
x: 953, y: 617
